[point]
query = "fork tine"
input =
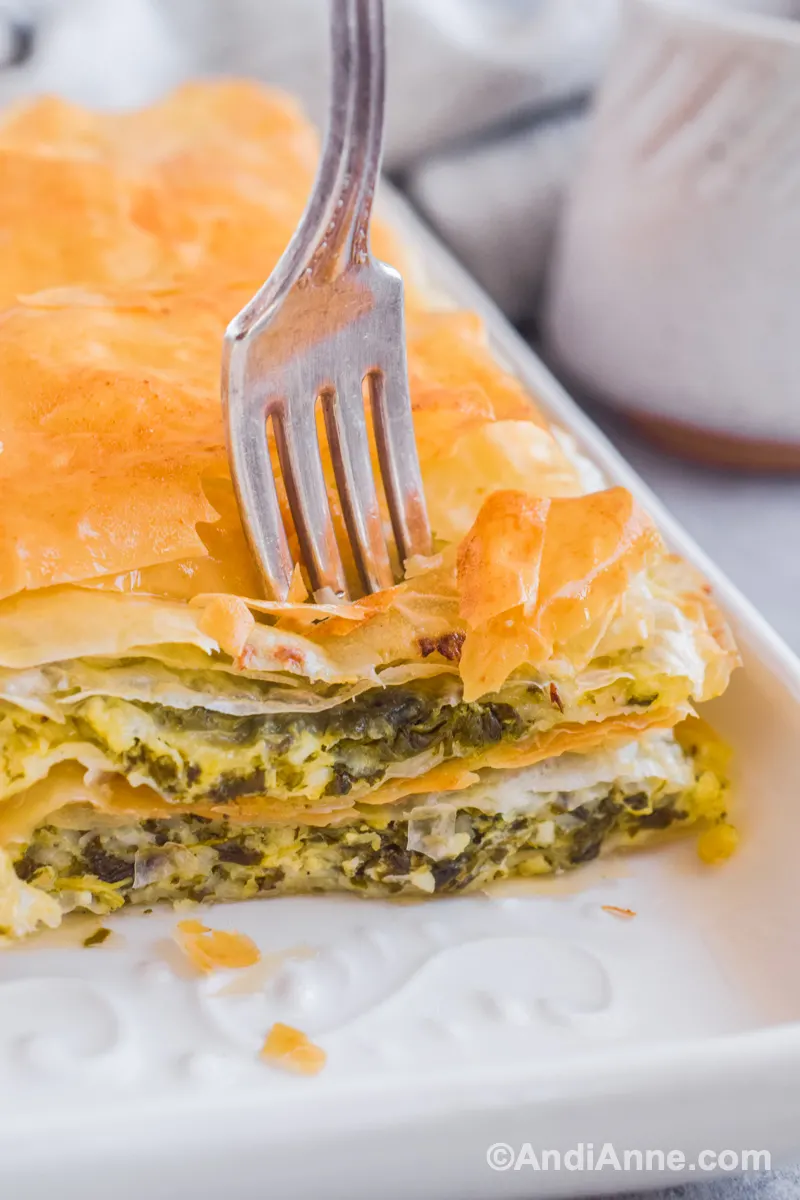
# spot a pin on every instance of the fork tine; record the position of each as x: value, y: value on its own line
x: 347, y: 434
x: 397, y: 452
x: 255, y: 491
x: 298, y: 449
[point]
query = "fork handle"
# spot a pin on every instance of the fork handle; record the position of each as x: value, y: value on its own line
x: 333, y: 232
x: 353, y: 149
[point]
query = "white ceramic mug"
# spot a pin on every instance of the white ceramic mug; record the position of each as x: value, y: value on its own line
x: 675, y: 293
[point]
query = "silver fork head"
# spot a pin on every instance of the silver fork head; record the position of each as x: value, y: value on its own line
x: 341, y: 349
x: 326, y: 329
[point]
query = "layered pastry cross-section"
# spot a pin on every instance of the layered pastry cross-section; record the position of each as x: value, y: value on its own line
x: 520, y: 702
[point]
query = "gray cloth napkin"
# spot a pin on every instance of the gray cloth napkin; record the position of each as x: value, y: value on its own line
x: 772, y: 1185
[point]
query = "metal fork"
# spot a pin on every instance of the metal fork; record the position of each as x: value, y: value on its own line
x: 328, y: 327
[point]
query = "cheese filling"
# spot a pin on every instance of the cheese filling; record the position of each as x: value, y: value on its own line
x: 540, y: 820
x: 193, y: 753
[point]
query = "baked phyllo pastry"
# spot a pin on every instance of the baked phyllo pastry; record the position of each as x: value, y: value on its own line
x: 517, y: 704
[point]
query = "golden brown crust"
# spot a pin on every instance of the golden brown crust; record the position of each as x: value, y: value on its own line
x: 171, y: 192
x: 131, y: 240
x: 105, y: 445
x: 534, y: 574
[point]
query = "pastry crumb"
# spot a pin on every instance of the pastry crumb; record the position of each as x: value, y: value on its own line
x: 214, y: 949
x: 290, y: 1049
x: 624, y: 914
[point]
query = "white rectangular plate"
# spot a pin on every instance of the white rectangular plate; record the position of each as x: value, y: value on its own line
x: 525, y: 1016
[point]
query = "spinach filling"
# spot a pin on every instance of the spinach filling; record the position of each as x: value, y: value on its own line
x: 200, y: 754
x: 194, y: 858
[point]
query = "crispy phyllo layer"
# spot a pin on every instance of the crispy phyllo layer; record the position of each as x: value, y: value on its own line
x: 475, y: 654
x: 536, y: 821
x: 551, y: 584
